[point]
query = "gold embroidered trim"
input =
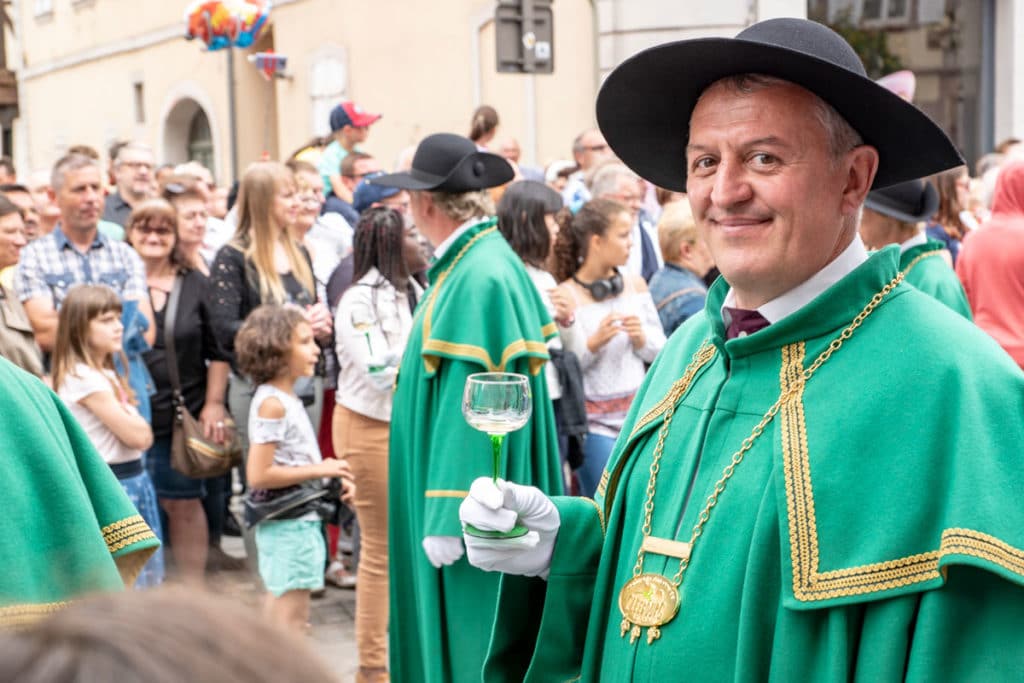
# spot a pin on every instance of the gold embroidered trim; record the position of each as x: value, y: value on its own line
x: 809, y: 584
x: 479, y: 353
x: 445, y: 493
x: 600, y: 513
x: 16, y: 616
x: 549, y: 330
x: 919, y: 258
x: 676, y: 392
x: 431, y: 363
x: 603, y: 484
x: 126, y: 532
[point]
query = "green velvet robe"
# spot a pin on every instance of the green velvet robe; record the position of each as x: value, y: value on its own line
x: 925, y: 269
x: 481, y: 314
x: 874, y: 532
x: 67, y: 527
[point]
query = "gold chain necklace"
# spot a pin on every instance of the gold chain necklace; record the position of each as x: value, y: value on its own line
x: 651, y: 600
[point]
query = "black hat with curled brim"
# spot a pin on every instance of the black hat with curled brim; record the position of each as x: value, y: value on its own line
x: 645, y: 104
x: 445, y: 162
x: 911, y: 202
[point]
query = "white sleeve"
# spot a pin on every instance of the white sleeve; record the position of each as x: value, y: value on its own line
x: 653, y: 331
x: 265, y: 430
x: 83, y: 381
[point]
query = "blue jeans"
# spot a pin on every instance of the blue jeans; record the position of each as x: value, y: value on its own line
x: 596, y: 450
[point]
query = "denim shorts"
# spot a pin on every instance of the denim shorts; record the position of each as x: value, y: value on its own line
x: 292, y: 555
x: 169, y: 482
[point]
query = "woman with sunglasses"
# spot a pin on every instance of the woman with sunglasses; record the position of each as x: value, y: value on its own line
x: 152, y: 229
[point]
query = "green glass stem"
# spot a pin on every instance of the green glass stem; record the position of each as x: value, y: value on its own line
x: 369, y: 345
x: 496, y: 440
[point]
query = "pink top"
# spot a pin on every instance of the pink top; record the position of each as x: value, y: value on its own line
x: 991, y: 265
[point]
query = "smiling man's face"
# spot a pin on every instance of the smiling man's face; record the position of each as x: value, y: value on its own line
x: 766, y: 193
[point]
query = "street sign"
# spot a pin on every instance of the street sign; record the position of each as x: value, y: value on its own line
x: 524, y: 36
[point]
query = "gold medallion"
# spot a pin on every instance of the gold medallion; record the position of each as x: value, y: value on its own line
x: 647, y: 601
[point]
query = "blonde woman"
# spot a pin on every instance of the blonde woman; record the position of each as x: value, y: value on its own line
x: 678, y: 288
x: 263, y: 264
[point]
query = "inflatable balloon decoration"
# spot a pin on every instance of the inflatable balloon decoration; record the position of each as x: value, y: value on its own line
x: 224, y: 23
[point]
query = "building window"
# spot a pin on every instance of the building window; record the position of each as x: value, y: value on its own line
x: 42, y: 7
x: 870, y: 11
x: 139, y: 98
x: 328, y: 80
x: 200, y: 140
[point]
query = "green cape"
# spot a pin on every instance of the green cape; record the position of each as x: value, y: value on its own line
x: 872, y: 533
x: 925, y: 269
x: 481, y: 314
x: 68, y: 528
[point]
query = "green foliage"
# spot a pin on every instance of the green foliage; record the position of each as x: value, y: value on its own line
x: 871, y: 45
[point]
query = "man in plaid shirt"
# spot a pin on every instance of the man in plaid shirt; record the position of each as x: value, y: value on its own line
x: 76, y: 253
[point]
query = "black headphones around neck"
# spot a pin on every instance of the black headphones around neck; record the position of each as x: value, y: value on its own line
x: 604, y: 288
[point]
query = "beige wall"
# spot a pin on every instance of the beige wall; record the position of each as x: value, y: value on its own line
x: 424, y: 66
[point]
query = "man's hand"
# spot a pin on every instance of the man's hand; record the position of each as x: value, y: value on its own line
x: 493, y: 507
x: 443, y: 550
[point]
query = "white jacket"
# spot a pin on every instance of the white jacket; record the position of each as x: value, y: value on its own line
x: 371, y: 328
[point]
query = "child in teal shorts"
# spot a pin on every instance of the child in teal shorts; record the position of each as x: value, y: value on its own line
x: 275, y: 347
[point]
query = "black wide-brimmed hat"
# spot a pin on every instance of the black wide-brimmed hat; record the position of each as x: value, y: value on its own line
x: 445, y: 162
x: 911, y: 202
x: 645, y: 104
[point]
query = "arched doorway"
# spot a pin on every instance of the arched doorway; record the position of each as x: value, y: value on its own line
x: 188, y: 135
x: 200, y: 140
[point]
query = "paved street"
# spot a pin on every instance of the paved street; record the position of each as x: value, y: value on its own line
x: 333, y: 616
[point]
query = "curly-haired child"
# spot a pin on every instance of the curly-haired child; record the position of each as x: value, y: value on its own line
x: 275, y: 347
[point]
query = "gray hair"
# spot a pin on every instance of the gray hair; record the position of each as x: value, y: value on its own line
x: 462, y: 206
x: 68, y: 163
x: 132, y: 147
x: 841, y: 135
x: 606, y: 178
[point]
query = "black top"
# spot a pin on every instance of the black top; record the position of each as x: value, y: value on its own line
x: 194, y: 345
x: 116, y: 209
x: 234, y: 292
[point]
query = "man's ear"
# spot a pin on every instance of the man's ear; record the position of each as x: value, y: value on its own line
x: 862, y: 165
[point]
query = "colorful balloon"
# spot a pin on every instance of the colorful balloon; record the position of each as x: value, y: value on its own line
x: 223, y: 23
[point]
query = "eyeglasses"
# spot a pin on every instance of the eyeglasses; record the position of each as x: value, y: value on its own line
x: 159, y: 231
x: 137, y: 165
x: 594, y: 148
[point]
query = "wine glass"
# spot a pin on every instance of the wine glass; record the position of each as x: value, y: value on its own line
x: 497, y: 403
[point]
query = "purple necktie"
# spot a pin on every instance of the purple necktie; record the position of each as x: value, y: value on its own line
x: 744, y: 322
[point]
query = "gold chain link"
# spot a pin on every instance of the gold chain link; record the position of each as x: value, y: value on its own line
x: 696, y: 361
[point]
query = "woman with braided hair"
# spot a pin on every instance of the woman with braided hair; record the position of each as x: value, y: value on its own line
x: 372, y: 326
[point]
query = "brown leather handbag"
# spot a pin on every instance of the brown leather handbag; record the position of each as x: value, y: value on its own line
x: 191, y: 453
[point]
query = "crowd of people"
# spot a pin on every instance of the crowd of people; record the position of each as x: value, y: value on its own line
x: 327, y: 313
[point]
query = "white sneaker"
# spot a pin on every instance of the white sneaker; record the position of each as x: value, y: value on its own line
x: 338, y: 576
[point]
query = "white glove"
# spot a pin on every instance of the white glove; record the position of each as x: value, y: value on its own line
x: 496, y: 508
x: 442, y: 550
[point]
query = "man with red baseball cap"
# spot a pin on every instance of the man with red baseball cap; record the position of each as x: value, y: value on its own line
x: 350, y: 125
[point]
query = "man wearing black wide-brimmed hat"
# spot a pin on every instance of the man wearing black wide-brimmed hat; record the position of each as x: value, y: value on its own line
x: 816, y: 483
x: 480, y: 314
x: 897, y: 215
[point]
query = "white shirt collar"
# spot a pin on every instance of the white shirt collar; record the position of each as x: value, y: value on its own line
x: 915, y: 241
x: 803, y: 294
x: 440, y: 249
